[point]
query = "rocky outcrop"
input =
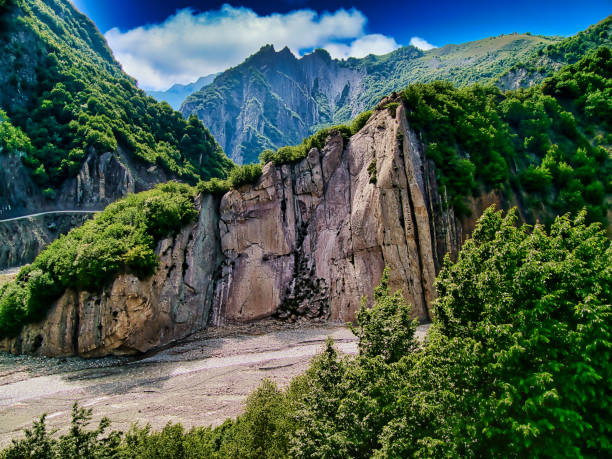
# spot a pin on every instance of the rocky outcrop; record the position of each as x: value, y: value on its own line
x: 132, y: 315
x: 312, y: 239
x: 308, y: 241
x: 102, y: 179
x: 23, y: 239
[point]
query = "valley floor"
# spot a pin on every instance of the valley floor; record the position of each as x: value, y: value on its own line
x: 202, y: 380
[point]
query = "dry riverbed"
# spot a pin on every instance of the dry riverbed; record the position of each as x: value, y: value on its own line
x: 200, y: 381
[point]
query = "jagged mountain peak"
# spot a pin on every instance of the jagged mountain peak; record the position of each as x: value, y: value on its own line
x: 275, y: 98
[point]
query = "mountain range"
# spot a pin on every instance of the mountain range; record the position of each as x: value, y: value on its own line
x: 177, y: 93
x: 274, y: 98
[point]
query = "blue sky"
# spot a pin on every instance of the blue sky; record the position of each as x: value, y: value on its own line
x: 164, y: 42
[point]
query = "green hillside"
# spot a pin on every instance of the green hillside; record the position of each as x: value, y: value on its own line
x: 64, y: 90
x: 550, y: 144
x: 464, y: 64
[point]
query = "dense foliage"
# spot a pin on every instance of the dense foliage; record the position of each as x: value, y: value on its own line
x: 516, y: 364
x: 551, y: 141
x: 120, y: 239
x: 574, y: 48
x: 295, y: 153
x: 79, y: 99
x: 12, y: 139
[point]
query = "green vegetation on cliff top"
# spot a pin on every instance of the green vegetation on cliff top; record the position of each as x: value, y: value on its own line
x: 65, y: 91
x: 120, y: 239
x: 552, y: 141
x: 516, y: 364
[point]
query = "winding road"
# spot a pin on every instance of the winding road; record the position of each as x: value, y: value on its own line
x: 22, y: 217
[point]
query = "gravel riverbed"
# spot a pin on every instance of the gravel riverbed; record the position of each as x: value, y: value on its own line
x: 202, y: 380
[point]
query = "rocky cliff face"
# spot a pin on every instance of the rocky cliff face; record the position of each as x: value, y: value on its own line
x: 131, y: 315
x: 308, y: 240
x: 312, y: 239
x: 23, y: 239
x: 101, y: 180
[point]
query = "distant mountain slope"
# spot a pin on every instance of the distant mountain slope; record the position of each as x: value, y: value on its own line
x: 63, y: 89
x: 275, y: 99
x: 543, y: 62
x: 177, y: 93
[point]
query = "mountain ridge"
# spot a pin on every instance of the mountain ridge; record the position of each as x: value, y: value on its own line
x: 177, y: 93
x: 272, y: 89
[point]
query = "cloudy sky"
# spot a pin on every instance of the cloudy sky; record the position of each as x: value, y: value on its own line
x: 162, y: 42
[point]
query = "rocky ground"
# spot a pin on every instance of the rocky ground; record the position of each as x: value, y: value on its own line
x: 202, y: 380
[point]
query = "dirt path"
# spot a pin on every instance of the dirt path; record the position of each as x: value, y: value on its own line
x: 203, y: 380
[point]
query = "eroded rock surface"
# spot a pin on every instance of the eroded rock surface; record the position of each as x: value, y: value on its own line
x: 131, y: 315
x: 309, y: 240
x: 102, y: 179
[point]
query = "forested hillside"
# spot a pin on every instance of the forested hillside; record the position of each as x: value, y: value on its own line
x: 65, y: 97
x: 551, y: 142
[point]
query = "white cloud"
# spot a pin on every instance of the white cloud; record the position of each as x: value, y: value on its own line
x: 188, y: 45
x: 421, y: 43
x: 361, y: 47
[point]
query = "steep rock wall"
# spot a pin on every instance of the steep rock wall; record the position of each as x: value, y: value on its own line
x: 308, y: 240
x: 102, y: 179
x: 23, y: 239
x: 311, y: 239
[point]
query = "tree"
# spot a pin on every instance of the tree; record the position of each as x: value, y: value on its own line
x: 535, y: 309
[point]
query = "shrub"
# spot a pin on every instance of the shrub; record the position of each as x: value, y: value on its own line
x: 544, y: 132
x: 392, y: 107
x: 247, y: 174
x: 122, y: 238
x: 536, y: 179
x: 372, y: 170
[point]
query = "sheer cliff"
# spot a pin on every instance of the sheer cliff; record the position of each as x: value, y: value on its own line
x: 309, y: 239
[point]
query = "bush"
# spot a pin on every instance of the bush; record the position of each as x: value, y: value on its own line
x: 372, y: 170
x: 536, y: 179
x: 77, y: 443
x: 214, y: 186
x: 360, y: 121
x: 12, y: 139
x: 122, y: 238
x: 247, y: 174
